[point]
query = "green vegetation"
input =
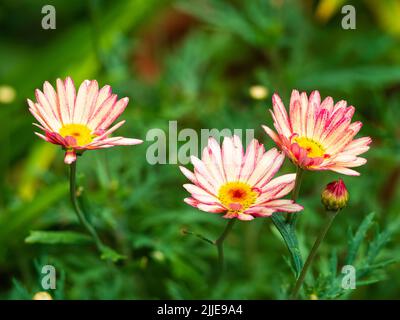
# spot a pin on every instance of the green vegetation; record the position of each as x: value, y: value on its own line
x: 193, y: 62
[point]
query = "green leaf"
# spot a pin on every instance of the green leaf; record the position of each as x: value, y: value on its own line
x: 356, y: 239
x: 57, y: 237
x: 109, y: 254
x: 289, y: 236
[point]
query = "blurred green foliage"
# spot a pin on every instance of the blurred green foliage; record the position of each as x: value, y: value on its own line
x: 200, y: 77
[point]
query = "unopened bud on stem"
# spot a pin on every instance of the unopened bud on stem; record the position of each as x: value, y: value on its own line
x: 335, y: 196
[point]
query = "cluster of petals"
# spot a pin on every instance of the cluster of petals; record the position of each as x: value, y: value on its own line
x: 318, y: 135
x: 240, y: 184
x: 79, y: 121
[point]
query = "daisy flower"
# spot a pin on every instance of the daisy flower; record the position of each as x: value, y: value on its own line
x: 79, y: 121
x: 318, y: 135
x: 239, y: 185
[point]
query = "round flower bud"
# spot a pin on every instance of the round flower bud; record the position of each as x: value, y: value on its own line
x: 335, y: 196
x: 43, y: 295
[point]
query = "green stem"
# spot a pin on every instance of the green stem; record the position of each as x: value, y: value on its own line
x: 79, y: 212
x: 219, y: 243
x: 292, y: 217
x: 313, y: 252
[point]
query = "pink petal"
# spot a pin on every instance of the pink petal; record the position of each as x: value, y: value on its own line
x: 70, y: 157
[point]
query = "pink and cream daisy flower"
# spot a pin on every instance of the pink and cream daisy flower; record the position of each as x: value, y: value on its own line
x: 318, y: 135
x: 79, y: 121
x: 240, y: 185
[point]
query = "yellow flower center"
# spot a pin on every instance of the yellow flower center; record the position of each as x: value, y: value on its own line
x: 237, y: 196
x: 81, y: 133
x: 313, y: 148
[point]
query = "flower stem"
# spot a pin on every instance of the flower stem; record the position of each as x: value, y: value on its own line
x: 219, y: 243
x: 313, y: 252
x: 79, y: 212
x: 292, y: 217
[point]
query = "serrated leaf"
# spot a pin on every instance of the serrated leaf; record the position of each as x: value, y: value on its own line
x: 57, y: 237
x: 356, y: 240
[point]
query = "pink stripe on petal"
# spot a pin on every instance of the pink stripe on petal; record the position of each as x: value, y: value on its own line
x: 50, y: 110
x: 109, y: 131
x: 40, y: 119
x: 205, y: 183
x: 63, y: 102
x: 263, y: 167
x: 245, y: 217
x: 211, y: 208
x: 259, y: 211
x: 283, y: 205
x: 345, y: 171
x: 51, y: 96
x: 80, y: 103
x: 192, y: 202
x: 121, y: 141
x: 228, y: 155
x: 281, y: 115
x: 276, y: 164
x: 188, y: 174
x: 42, y: 136
x: 216, y: 156
x: 102, y: 112
x: 93, y: 91
x: 114, y: 113
x: 212, y: 167
x: 71, y: 96
x: 52, y: 124
x: 272, y: 135
x: 249, y: 160
x: 295, y: 112
x: 278, y: 187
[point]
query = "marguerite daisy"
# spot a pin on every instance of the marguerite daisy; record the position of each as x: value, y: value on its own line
x: 318, y: 135
x: 81, y: 121
x: 240, y: 185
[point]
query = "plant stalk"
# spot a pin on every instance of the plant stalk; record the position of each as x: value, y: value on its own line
x: 292, y: 217
x: 330, y: 217
x: 219, y: 243
x: 81, y: 216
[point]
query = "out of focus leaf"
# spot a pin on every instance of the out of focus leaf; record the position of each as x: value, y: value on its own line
x: 110, y: 254
x: 57, y: 237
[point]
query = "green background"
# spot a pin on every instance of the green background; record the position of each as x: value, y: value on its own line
x: 194, y: 62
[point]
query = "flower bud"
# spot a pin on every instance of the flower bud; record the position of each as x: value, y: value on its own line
x: 335, y: 196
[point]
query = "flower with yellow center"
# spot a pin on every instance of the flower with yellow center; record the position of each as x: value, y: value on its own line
x: 81, y: 133
x: 318, y: 135
x: 236, y: 196
x: 313, y: 148
x: 79, y: 121
x: 237, y: 183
